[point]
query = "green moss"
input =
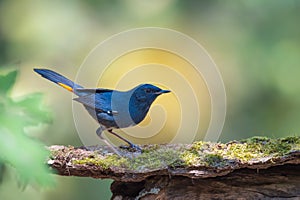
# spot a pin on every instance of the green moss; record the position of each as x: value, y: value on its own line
x: 214, y: 160
x: 151, y: 158
x: 155, y: 158
x: 274, y: 147
x: 151, y: 148
x: 242, y: 152
x: 190, y: 158
x: 291, y: 140
x: 256, y: 140
x: 196, y: 146
x: 104, y: 162
x: 218, y: 154
x: 198, y: 154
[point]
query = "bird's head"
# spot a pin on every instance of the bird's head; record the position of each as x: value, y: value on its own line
x: 141, y: 99
x: 147, y: 92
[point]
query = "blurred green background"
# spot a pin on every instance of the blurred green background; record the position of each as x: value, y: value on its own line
x: 255, y: 44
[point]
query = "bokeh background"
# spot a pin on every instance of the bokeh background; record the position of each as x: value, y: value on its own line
x: 255, y: 44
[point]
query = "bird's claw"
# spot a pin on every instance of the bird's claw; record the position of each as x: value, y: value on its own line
x: 136, y: 147
x: 132, y: 148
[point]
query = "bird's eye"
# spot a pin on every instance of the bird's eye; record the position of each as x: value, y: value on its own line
x: 147, y: 90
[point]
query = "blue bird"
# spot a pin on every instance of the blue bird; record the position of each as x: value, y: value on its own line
x: 112, y: 109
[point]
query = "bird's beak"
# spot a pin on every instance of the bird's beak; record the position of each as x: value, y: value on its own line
x: 163, y: 91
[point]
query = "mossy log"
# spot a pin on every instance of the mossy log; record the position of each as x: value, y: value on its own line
x: 255, y: 168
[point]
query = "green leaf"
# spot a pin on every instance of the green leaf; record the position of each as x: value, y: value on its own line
x: 26, y: 155
x: 2, y: 170
x: 18, y: 150
x: 32, y: 107
x: 7, y: 81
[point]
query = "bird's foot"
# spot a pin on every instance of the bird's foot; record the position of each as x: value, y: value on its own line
x: 132, y: 148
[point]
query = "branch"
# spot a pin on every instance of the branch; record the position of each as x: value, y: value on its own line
x: 197, y: 160
x: 236, y: 162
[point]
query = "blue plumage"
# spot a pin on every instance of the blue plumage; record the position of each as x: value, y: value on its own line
x: 111, y: 108
x: 56, y: 78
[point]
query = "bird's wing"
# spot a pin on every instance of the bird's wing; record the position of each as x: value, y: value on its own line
x: 98, y: 101
x: 87, y: 91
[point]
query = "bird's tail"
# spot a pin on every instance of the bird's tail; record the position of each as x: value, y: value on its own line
x: 58, y: 79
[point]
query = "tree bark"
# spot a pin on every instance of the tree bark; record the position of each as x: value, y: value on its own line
x: 281, y: 182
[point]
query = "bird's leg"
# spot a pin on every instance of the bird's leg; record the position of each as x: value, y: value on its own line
x: 99, y: 132
x: 134, y: 146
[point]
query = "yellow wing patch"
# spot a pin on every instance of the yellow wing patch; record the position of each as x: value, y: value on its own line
x: 66, y: 87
